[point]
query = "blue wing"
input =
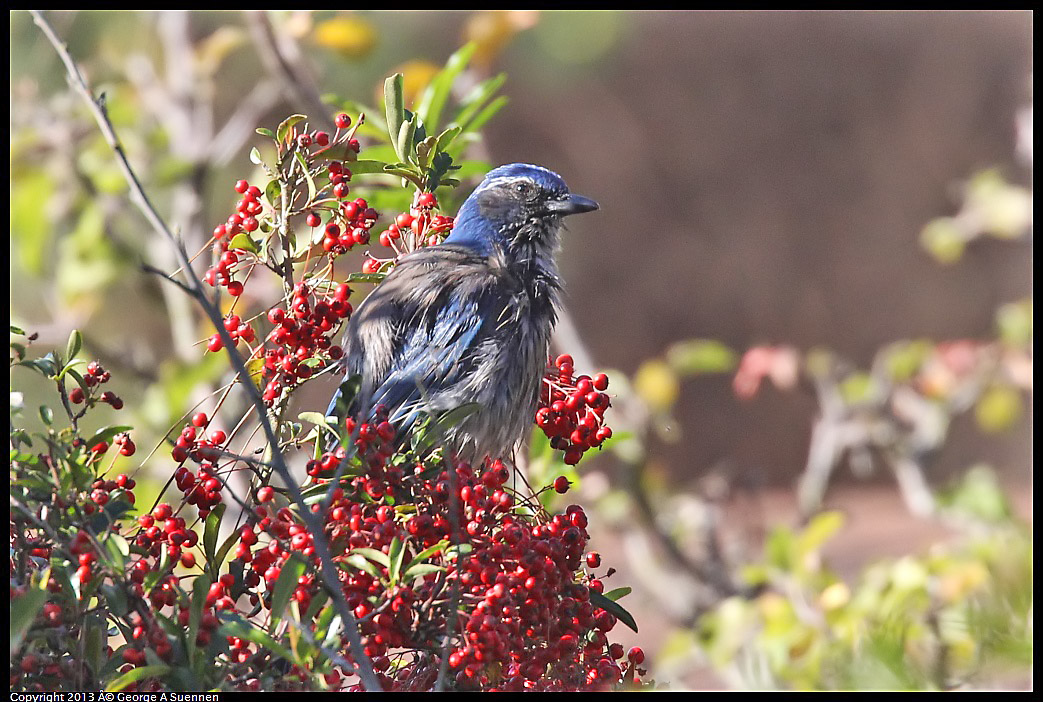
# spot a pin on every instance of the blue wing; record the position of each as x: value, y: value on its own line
x: 436, y: 354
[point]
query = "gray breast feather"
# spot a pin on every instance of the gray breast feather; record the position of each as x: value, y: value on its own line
x: 505, y: 363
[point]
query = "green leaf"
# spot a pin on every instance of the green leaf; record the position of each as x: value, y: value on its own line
x: 94, y: 650
x: 476, y: 98
x: 222, y: 552
x: 439, y: 89
x: 317, y: 418
x: 346, y: 394
x: 211, y: 529
x: 106, y: 434
x: 286, y: 125
x: 68, y: 368
x: 396, y: 552
x: 419, y: 570
x: 331, y: 628
x: 1014, y: 321
x: 424, y: 150
x: 366, y: 277
x: 73, y: 346
x: 599, y: 600
x: 132, y: 676
x: 446, y: 138
x: 374, y: 555
x: 200, y: 590
x: 479, y: 120
x: 119, y: 550
x: 272, y: 191
x: 427, y: 553
x: 394, y: 108
x: 818, y: 531
x: 367, y: 166
x: 46, y: 415
x: 244, y: 242
x: 263, y: 131
x: 697, y: 356
x: 359, y: 562
x: 307, y: 175
x: 255, y: 156
x: 240, y: 628
x: 46, y: 364
x: 404, y: 143
x: 998, y: 408
x: 454, y: 551
x: 291, y: 571
x: 25, y: 608
x: 618, y: 593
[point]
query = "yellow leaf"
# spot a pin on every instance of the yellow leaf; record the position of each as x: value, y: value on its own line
x: 998, y: 408
x: 493, y: 30
x: 943, y: 240
x: 349, y: 35
x: 215, y: 48
x: 657, y: 384
x: 834, y: 597
x: 255, y: 367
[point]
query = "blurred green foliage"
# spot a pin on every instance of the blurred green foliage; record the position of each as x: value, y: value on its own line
x: 958, y: 617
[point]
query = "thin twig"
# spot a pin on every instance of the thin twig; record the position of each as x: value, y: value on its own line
x: 138, y: 196
x: 272, y: 49
x: 163, y: 274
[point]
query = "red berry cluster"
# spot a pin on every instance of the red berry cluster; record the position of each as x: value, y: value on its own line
x: 350, y: 222
x: 246, y: 218
x: 572, y: 410
x: 159, y: 529
x: 412, y: 230
x: 524, y: 603
x: 201, y: 489
x: 236, y: 328
x: 96, y: 375
x: 302, y: 337
x: 104, y: 491
x: 145, y: 633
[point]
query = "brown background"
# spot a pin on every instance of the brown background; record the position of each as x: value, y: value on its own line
x: 763, y: 179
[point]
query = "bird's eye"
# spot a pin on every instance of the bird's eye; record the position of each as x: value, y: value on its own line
x: 524, y: 189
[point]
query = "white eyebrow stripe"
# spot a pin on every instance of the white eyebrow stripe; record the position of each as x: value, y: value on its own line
x: 501, y: 180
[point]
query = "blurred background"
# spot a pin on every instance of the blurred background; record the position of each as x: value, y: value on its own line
x: 833, y: 189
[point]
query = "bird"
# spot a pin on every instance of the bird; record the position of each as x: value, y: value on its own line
x: 467, y: 323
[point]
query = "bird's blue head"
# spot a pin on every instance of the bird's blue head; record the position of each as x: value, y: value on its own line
x: 516, y: 208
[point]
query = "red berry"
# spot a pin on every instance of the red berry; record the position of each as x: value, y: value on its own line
x: 342, y: 121
x: 561, y: 485
x: 76, y: 395
x: 241, y: 186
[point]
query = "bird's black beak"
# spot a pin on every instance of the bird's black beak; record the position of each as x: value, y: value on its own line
x: 574, y: 204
